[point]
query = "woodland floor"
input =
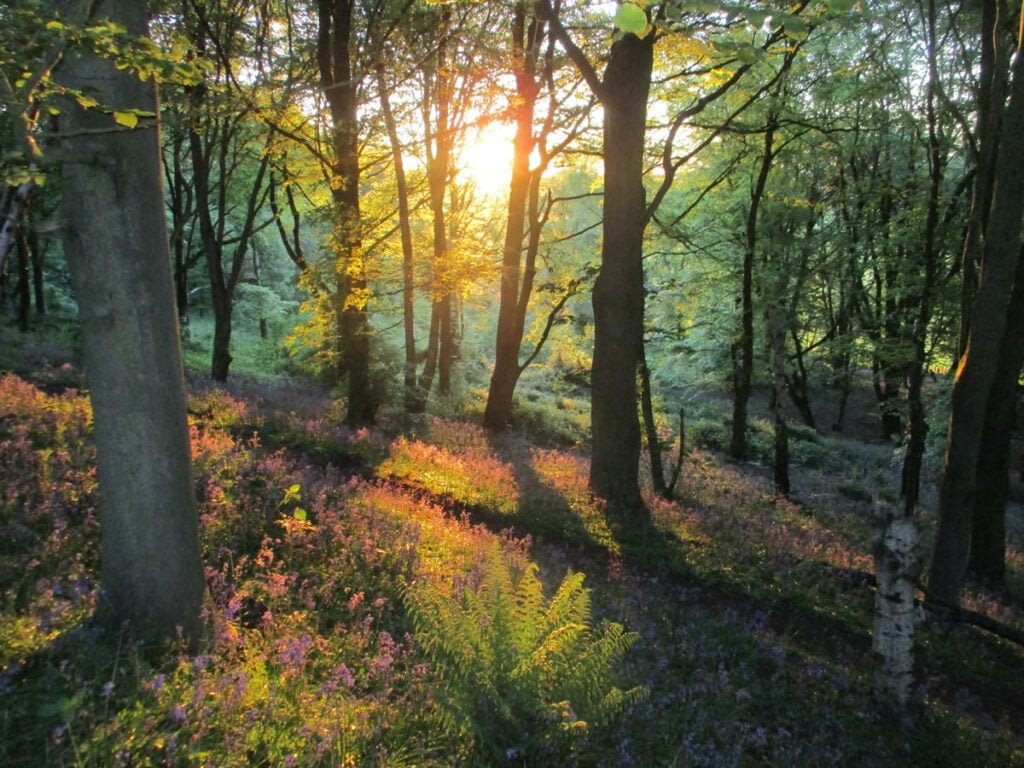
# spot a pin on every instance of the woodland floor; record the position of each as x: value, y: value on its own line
x: 752, y: 614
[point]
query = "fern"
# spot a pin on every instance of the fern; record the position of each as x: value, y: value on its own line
x: 520, y: 678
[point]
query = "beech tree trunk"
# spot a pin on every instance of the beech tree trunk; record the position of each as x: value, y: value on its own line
x: 410, y: 397
x: 24, y: 279
x: 438, y: 144
x: 780, y: 429
x: 979, y: 364
x: 743, y: 347
x: 916, y: 421
x: 988, y: 529
x: 340, y: 85
x: 38, y: 283
x: 618, y: 297
x: 117, y: 248
x: 514, y: 294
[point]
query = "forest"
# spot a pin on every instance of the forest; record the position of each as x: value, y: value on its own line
x: 511, y: 382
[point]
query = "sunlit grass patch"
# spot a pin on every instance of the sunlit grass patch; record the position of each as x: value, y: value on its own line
x: 566, y: 476
x: 469, y: 477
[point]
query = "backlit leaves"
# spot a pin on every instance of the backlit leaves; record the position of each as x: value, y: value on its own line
x: 631, y: 19
x: 127, y: 119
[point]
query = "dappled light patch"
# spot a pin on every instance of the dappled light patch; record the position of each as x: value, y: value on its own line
x: 469, y: 477
x: 566, y: 474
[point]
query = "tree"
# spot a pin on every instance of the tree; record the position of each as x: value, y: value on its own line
x: 534, y: 69
x: 978, y: 367
x: 410, y: 395
x: 527, y: 39
x: 618, y: 296
x: 340, y: 78
x: 229, y: 154
x: 116, y: 245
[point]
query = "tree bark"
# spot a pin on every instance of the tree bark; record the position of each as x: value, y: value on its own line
x: 995, y: 43
x: 438, y: 140
x: 988, y: 529
x: 117, y: 248
x: 410, y: 396
x: 340, y: 85
x: 978, y: 366
x: 651, y: 429
x: 916, y: 421
x: 780, y: 429
x: 38, y: 278
x: 743, y: 348
x: 896, y: 569
x: 514, y: 297
x: 618, y: 297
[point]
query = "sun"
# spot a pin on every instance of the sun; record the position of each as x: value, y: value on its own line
x: 486, y: 160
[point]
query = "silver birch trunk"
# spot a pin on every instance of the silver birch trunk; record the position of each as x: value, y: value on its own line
x: 896, y: 569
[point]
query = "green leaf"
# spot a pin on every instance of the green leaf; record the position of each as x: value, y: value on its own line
x: 841, y: 6
x: 300, y: 514
x: 756, y: 18
x: 127, y: 119
x: 748, y: 54
x: 795, y: 27
x: 631, y: 18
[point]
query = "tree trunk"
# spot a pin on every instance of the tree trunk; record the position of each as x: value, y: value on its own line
x: 651, y: 430
x: 916, y: 421
x: 426, y: 380
x: 447, y: 348
x: 340, y: 85
x: 896, y: 569
x: 618, y: 297
x: 223, y: 309
x: 978, y: 366
x: 995, y: 38
x: 438, y: 144
x: 988, y: 529
x: 743, y: 348
x: 24, y: 279
x: 513, y: 303
x: 117, y: 247
x: 777, y: 342
x: 797, y: 383
x: 410, y: 395
x: 179, y: 195
x: 38, y: 284
x: 15, y: 202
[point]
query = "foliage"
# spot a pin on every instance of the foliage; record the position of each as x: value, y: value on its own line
x: 32, y: 41
x: 522, y: 679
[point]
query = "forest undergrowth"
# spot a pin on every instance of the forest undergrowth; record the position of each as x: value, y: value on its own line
x: 438, y: 596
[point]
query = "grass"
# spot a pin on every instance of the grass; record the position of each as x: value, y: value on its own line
x: 336, y: 560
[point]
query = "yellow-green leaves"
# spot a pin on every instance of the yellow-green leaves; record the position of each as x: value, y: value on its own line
x: 127, y: 119
x: 630, y: 18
